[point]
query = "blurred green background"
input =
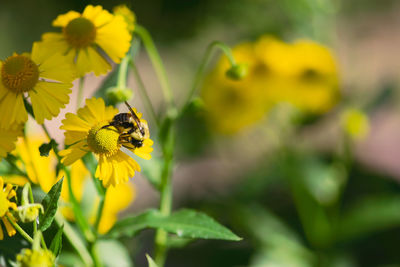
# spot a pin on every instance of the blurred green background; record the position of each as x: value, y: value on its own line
x: 321, y: 203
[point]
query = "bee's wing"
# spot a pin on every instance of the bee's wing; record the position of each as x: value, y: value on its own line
x: 136, y: 118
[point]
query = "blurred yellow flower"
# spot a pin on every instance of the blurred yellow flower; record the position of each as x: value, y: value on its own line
x: 86, y: 36
x: 303, y: 74
x: 355, y: 123
x: 84, y: 133
x: 42, y: 171
x: 46, y: 78
x: 35, y: 258
x: 127, y: 14
x: 6, y: 193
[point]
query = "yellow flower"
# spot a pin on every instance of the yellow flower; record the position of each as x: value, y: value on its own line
x: 84, y: 133
x: 86, y: 37
x: 35, y: 258
x: 127, y: 14
x: 42, y: 171
x: 46, y: 79
x: 355, y: 123
x: 233, y: 105
x: 8, y: 138
x: 6, y: 193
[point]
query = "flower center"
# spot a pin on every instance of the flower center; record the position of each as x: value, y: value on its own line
x: 3, y: 203
x: 80, y: 32
x: 19, y: 74
x: 103, y: 141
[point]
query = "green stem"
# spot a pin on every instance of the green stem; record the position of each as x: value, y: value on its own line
x: 122, y: 73
x: 147, y: 102
x: 20, y: 230
x: 95, y: 255
x: 206, y: 58
x: 161, y: 237
x: 99, y: 213
x: 80, y: 92
x: 74, y: 240
x: 34, y: 221
x: 157, y: 63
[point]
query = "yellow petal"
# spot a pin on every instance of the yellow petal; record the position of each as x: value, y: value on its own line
x: 74, y: 123
x: 114, y: 39
x: 89, y: 60
x: 73, y: 153
x: 12, y: 105
x: 64, y: 19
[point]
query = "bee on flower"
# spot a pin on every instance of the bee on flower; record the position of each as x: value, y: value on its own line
x: 85, y: 38
x: 93, y: 129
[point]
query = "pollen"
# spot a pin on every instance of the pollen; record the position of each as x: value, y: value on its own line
x: 103, y: 141
x: 80, y: 32
x: 19, y: 74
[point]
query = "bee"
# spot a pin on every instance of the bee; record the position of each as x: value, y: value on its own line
x: 132, y: 131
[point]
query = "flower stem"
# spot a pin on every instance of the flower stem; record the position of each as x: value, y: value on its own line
x: 20, y: 230
x: 74, y: 239
x: 80, y: 92
x: 122, y: 73
x: 157, y: 63
x: 206, y: 58
x: 147, y: 102
x: 161, y: 237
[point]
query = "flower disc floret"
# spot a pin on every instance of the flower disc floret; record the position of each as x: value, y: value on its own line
x: 103, y: 141
x: 80, y: 32
x: 19, y: 74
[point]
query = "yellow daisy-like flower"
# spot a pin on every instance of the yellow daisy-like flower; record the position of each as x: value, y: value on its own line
x: 6, y: 193
x: 46, y: 79
x: 8, y: 138
x: 35, y: 258
x: 86, y: 37
x: 84, y: 133
x: 127, y: 14
x: 42, y: 171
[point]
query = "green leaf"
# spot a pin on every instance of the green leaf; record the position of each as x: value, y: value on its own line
x: 45, y: 148
x: 50, y: 205
x: 56, y: 243
x: 184, y: 223
x: 370, y: 215
x: 150, y: 261
x: 112, y: 253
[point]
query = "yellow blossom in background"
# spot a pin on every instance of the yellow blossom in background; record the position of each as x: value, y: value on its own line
x: 355, y: 123
x: 235, y: 104
x: 84, y: 133
x: 35, y: 258
x: 8, y: 138
x: 86, y: 37
x: 42, y: 171
x: 45, y: 78
x: 127, y: 14
x: 6, y: 193
x: 303, y: 74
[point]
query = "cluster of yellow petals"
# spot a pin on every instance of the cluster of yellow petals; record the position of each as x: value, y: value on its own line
x: 86, y: 38
x: 303, y: 73
x: 6, y: 193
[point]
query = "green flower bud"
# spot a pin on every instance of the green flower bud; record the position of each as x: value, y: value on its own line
x: 118, y: 95
x: 237, y: 72
x: 35, y: 258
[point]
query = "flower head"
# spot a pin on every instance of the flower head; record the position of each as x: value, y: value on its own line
x: 86, y: 36
x: 6, y: 193
x: 35, y: 258
x: 46, y: 79
x: 127, y: 14
x: 85, y: 133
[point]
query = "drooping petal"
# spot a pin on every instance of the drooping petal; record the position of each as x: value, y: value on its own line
x: 73, y: 153
x: 114, y: 38
x: 73, y: 122
x: 89, y: 60
x: 13, y: 105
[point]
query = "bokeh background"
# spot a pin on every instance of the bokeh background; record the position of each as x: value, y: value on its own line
x: 270, y: 181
